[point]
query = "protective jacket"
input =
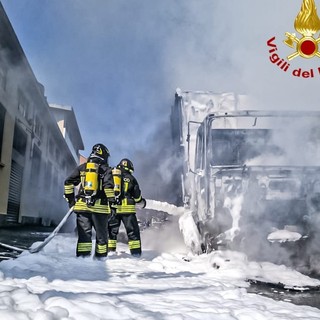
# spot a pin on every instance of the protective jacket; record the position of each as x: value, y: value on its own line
x: 105, y: 193
x: 125, y: 212
x: 94, y: 215
x: 130, y: 193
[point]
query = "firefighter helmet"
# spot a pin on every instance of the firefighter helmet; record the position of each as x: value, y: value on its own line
x: 100, y: 151
x: 126, y: 164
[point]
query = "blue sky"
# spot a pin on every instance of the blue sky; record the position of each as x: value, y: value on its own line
x: 119, y: 62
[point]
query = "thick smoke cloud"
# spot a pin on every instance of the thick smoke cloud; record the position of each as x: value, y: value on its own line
x: 118, y: 63
x: 158, y: 167
x: 222, y: 46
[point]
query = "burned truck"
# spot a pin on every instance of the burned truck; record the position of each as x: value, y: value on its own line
x: 251, y: 178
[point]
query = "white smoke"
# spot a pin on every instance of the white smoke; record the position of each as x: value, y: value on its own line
x: 120, y: 62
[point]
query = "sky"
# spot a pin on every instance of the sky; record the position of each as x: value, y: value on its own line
x: 118, y: 63
x: 167, y: 282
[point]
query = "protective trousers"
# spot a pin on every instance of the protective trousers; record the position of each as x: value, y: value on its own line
x: 85, y: 222
x: 130, y: 223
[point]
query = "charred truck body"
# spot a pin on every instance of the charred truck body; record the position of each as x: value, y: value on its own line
x: 250, y: 178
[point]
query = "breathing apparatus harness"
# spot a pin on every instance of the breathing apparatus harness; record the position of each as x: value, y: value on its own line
x: 119, y: 188
x: 92, y: 178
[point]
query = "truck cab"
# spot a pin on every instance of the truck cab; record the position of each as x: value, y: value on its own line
x: 255, y: 180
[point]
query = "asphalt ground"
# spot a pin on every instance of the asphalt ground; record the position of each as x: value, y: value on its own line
x: 22, y: 237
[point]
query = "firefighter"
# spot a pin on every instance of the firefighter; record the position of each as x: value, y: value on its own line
x: 92, y: 204
x: 128, y: 195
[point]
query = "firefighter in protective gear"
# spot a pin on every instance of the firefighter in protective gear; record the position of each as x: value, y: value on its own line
x: 125, y: 210
x: 92, y: 208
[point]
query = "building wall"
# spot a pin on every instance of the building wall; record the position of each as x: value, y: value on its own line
x: 35, y: 158
x: 68, y: 126
x: 83, y: 159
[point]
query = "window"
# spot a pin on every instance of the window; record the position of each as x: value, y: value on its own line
x: 38, y: 127
x: 35, y: 167
x: 3, y: 78
x: 199, y: 157
x: 23, y: 105
x: 19, y: 140
x: 235, y: 146
x: 48, y: 177
x: 51, y: 148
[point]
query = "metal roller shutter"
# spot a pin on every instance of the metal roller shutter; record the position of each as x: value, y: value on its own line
x: 14, y: 193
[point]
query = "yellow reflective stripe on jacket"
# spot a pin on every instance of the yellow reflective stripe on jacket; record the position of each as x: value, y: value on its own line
x: 138, y: 199
x: 101, y: 248
x: 126, y: 186
x: 97, y: 207
x: 129, y: 208
x: 109, y: 192
x: 68, y: 189
x: 134, y: 244
x: 84, y: 247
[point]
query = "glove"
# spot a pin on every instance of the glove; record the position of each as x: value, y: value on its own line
x: 71, y: 200
x: 114, y: 202
x: 142, y: 203
x: 117, y: 200
x: 72, y: 203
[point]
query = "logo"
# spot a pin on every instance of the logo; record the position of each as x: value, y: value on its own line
x: 306, y: 45
x: 99, y: 151
x: 124, y: 163
x: 307, y: 23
